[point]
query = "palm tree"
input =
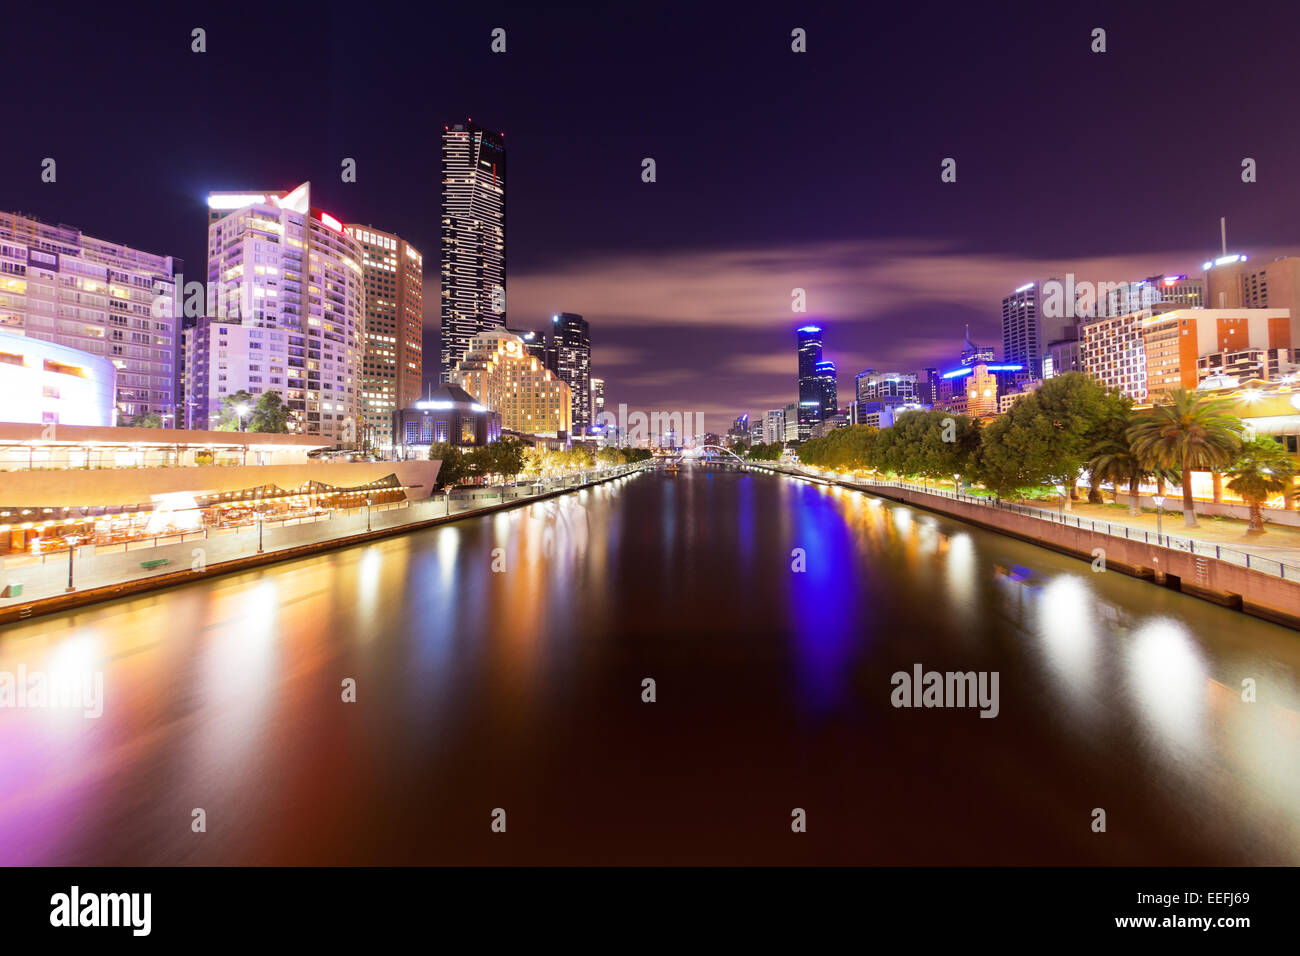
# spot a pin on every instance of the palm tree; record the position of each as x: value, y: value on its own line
x: 1187, y: 431
x: 1114, y: 461
x: 1265, y: 468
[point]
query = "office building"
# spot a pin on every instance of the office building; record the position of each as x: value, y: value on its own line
x: 1238, y: 282
x: 1062, y: 357
x: 1027, y: 329
x: 774, y: 426
x: 499, y: 374
x: 790, y: 417
x: 286, y: 281
x: 1175, y: 341
x: 809, y: 346
x: 827, y: 388
x: 1153, y: 294
x: 1225, y: 369
x: 1113, y: 351
x: 473, y: 238
x: 597, y: 399
x: 571, y: 346
x: 900, y: 387
x: 392, y: 364
x: 60, y: 285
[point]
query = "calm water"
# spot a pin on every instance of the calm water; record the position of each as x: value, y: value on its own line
x: 521, y: 689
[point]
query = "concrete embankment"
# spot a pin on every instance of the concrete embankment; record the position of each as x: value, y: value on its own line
x: 1254, y: 592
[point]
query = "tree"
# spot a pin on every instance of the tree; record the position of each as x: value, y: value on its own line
x: 1114, y: 460
x: 146, y: 420
x: 1047, y: 437
x: 270, y: 415
x: 454, y: 469
x: 506, y: 456
x: 230, y: 419
x: 1263, y: 468
x: 1188, y: 432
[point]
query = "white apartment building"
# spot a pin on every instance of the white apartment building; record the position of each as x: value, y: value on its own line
x: 286, y: 283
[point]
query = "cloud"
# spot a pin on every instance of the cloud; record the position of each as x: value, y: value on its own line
x: 859, y: 279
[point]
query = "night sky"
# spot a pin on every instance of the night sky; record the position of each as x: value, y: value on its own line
x: 775, y: 170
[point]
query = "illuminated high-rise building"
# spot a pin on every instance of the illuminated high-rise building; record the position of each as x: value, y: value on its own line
x: 828, y: 389
x: 502, y: 376
x: 286, y: 312
x: 809, y: 345
x: 59, y: 285
x: 571, y: 346
x: 392, y: 368
x: 597, y: 399
x: 473, y: 238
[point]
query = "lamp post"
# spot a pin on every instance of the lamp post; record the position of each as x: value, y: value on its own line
x: 242, y: 411
x: 72, y: 540
x: 1159, y: 501
x: 369, y: 501
x: 1060, y: 490
x: 260, y: 515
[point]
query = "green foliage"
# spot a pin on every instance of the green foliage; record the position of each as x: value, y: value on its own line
x: 1186, y: 431
x: 145, y: 420
x: 767, y: 452
x: 266, y: 413
x: 454, y: 469
x: 1048, y: 437
x: 1264, y: 468
x: 843, y: 448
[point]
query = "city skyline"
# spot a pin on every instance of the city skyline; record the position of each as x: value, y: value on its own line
x: 897, y: 271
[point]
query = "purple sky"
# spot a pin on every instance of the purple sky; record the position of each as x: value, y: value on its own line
x: 775, y: 170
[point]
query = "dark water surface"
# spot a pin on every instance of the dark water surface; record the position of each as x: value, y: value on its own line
x: 521, y: 689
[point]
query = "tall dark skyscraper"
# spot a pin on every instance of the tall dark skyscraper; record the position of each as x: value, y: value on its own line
x: 829, y: 397
x: 473, y: 238
x: 809, y: 340
x: 571, y: 345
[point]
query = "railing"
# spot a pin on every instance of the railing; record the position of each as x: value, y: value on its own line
x: 442, y: 504
x: 1281, y: 569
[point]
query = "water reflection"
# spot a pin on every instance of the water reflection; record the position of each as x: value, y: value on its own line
x: 522, y: 685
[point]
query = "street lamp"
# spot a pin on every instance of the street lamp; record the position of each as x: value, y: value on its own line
x: 1159, y: 501
x: 72, y: 540
x: 1060, y: 490
x: 260, y: 515
x: 369, y: 502
x: 241, y: 410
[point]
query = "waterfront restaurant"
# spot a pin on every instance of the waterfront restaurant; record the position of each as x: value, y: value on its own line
x: 108, y: 486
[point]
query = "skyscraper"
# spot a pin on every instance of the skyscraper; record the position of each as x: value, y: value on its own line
x: 392, y: 368
x: 571, y: 345
x: 60, y: 285
x: 287, y: 311
x: 809, y: 344
x: 597, y: 399
x: 473, y: 238
x: 827, y: 388
x: 1027, y: 329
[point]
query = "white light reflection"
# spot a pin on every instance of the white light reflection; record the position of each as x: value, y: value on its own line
x: 960, y: 572
x: 1168, y: 677
x: 1066, y: 626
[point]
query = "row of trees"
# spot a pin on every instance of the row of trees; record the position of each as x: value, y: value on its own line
x: 506, y: 458
x: 1069, y: 427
